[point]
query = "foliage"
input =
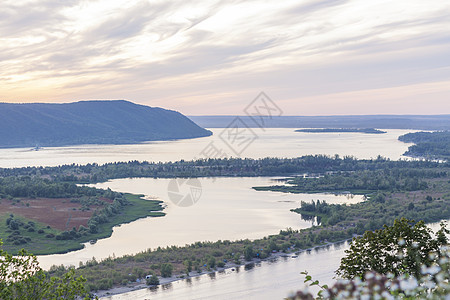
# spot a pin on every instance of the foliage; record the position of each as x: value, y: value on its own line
x: 398, y: 249
x: 166, y: 270
x: 432, y: 283
x: 363, y: 181
x: 38, y: 238
x: 213, y: 167
x: 22, y: 278
x: 428, y: 144
x: 37, y: 187
x: 153, y: 280
x: 248, y: 253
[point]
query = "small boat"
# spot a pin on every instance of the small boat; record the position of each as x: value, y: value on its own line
x: 92, y: 242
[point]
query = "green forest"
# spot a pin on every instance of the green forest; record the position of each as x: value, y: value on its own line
x: 434, y: 145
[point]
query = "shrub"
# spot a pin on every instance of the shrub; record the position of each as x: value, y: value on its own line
x: 166, y: 270
x: 153, y: 280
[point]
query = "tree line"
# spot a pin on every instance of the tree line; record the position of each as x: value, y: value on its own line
x: 428, y: 144
x: 92, y: 173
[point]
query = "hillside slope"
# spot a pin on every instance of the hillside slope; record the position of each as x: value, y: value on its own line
x: 91, y: 122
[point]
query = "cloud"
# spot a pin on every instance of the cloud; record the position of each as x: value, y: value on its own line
x: 179, y: 54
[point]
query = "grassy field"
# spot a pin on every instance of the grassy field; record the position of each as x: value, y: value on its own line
x: 41, y: 239
x: 39, y: 242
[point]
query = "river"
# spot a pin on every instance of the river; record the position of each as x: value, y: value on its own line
x: 272, y: 142
x: 228, y: 207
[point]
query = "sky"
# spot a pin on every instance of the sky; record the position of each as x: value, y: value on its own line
x: 311, y: 57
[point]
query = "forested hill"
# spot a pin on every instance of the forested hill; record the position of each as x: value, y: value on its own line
x: 91, y: 122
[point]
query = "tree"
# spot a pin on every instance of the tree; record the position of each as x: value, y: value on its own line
x: 248, y: 253
x: 22, y: 278
x: 166, y: 270
x: 188, y: 265
x: 153, y: 280
x: 212, y: 262
x: 398, y: 249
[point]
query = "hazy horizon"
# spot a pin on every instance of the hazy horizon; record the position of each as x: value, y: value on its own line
x: 241, y: 113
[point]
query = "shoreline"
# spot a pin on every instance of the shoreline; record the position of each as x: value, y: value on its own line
x: 105, y: 294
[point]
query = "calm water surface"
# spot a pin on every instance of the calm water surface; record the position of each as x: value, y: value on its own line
x: 228, y: 209
x: 272, y: 142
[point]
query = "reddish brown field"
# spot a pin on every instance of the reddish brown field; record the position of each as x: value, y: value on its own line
x: 58, y: 213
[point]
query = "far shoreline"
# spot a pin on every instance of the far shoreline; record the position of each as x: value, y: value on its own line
x: 342, y: 130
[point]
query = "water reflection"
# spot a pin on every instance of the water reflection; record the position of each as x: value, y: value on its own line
x: 188, y: 281
x: 167, y: 286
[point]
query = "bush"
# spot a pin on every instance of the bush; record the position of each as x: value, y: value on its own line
x: 212, y: 262
x: 248, y: 252
x: 153, y: 280
x: 397, y: 249
x: 166, y: 270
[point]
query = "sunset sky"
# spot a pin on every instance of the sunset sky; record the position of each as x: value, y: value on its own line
x: 213, y: 57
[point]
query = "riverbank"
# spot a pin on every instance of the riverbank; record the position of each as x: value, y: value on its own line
x: 230, y: 266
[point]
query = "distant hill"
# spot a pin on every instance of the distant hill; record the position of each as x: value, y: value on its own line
x: 91, y: 122
x: 421, y: 122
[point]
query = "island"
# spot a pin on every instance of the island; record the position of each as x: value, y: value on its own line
x: 341, y: 130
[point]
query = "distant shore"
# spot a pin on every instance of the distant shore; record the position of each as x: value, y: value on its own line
x: 342, y: 130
